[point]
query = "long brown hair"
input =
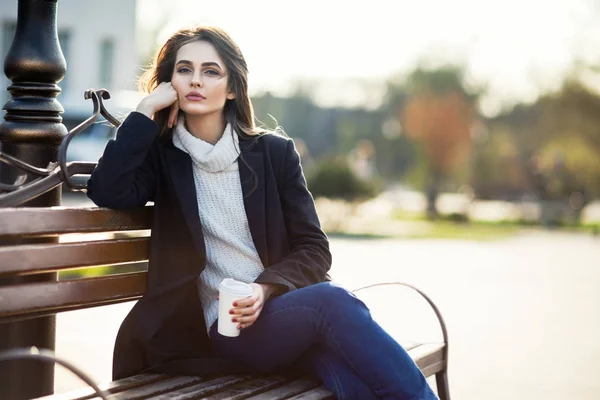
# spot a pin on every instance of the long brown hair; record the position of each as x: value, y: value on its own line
x: 239, y: 111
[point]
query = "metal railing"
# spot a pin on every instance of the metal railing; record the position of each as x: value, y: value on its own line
x: 58, y: 172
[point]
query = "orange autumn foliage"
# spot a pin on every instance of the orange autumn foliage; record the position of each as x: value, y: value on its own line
x: 441, y: 123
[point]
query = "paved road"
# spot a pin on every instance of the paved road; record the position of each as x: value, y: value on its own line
x: 522, y: 313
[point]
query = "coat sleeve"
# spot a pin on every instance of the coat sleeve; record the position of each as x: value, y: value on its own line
x: 125, y: 175
x: 310, y: 258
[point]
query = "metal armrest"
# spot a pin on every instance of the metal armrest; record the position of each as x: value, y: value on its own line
x: 49, y: 356
x: 423, y: 295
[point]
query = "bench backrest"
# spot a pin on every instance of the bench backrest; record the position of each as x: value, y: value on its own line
x: 43, y: 241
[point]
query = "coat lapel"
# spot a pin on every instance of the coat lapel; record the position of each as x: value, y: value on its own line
x: 182, y: 176
x: 252, y: 177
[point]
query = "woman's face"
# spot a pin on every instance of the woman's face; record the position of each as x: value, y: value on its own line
x: 200, y: 79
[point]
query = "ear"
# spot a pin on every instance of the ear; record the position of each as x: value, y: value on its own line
x: 230, y: 95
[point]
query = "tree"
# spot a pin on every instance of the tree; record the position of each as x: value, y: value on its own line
x: 438, y: 114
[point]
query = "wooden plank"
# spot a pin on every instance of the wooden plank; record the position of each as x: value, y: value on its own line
x: 158, y: 388
x: 434, y: 368
x: 61, y: 220
x: 427, y: 355
x: 319, y: 393
x: 48, y: 257
x: 31, y: 300
x: 249, y: 388
x: 288, y: 390
x: 204, y: 388
x: 410, y: 345
x: 110, y: 387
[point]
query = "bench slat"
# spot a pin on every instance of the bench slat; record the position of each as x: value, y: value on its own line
x: 293, y: 388
x: 410, y: 345
x: 249, y: 388
x: 61, y: 220
x: 110, y: 387
x: 319, y: 393
x: 428, y: 355
x: 204, y: 388
x: 36, y: 258
x: 36, y: 299
x: 432, y: 369
x: 162, y: 387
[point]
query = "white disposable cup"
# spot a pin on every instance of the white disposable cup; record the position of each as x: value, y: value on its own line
x: 230, y: 290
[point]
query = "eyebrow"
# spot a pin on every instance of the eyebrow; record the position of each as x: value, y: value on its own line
x: 204, y: 64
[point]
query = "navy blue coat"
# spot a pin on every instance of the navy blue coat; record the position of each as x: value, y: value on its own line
x: 165, y: 331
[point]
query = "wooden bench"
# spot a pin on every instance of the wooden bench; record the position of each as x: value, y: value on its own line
x: 120, y: 238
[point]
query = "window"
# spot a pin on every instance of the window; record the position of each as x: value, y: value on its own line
x: 107, y: 50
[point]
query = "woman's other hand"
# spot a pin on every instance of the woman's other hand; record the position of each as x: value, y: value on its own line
x: 246, y: 311
x: 163, y: 96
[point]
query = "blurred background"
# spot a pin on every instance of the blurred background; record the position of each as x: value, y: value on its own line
x: 451, y: 144
x: 463, y: 110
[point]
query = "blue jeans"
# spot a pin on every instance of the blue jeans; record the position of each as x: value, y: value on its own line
x: 331, y: 333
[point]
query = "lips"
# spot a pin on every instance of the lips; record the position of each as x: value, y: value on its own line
x: 195, y: 96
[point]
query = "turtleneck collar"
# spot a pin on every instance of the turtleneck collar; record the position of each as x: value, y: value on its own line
x: 206, y: 156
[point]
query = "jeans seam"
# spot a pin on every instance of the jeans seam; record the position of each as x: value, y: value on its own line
x: 339, y: 388
x: 331, y: 334
x: 339, y: 348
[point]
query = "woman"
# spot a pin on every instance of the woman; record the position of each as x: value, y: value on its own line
x: 231, y: 201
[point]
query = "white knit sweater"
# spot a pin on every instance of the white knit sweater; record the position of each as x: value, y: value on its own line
x: 230, y: 251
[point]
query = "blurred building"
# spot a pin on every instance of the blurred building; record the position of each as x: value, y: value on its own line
x: 99, y: 44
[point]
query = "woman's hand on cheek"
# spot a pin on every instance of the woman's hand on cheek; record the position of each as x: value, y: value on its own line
x: 163, y: 96
x: 246, y: 311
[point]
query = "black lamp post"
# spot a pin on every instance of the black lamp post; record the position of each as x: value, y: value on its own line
x: 32, y: 131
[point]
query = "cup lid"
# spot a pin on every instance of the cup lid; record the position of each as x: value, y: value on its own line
x: 235, y: 287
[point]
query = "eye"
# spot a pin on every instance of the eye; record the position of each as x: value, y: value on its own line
x: 183, y: 70
x: 212, y: 72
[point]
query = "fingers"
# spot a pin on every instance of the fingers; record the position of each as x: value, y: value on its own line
x: 163, y: 96
x: 246, y: 302
x: 173, y: 114
x: 247, y: 310
x: 246, y: 316
x: 244, y: 312
x: 245, y: 319
x: 245, y: 322
x: 244, y: 326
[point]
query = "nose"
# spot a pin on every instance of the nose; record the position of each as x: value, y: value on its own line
x: 196, y: 82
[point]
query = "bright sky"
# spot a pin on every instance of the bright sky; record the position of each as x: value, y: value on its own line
x: 517, y: 47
